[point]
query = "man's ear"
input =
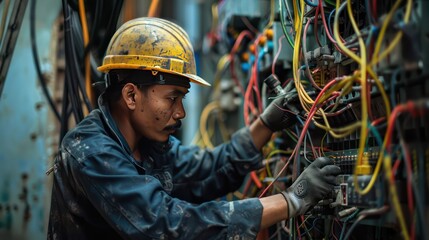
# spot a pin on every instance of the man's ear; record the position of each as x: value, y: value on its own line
x: 128, y: 95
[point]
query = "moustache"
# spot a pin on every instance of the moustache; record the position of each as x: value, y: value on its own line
x: 175, y: 126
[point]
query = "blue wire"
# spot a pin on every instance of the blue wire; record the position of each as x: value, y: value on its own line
x: 393, y: 86
x: 370, y: 18
x: 329, y: 22
x: 376, y: 134
x: 311, y: 4
x: 345, y: 223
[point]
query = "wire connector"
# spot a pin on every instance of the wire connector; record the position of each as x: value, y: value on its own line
x: 364, y: 168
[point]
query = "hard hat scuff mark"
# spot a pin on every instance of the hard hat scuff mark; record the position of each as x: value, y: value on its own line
x: 162, y: 51
x: 156, y: 39
x: 123, y: 52
x: 142, y: 39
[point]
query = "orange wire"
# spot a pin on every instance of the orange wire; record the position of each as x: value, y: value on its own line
x: 88, y: 87
x: 154, y: 8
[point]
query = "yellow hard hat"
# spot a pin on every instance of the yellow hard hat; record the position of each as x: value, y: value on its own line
x: 153, y: 44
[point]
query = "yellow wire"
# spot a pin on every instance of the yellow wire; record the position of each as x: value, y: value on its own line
x: 277, y: 151
x: 203, y: 122
x: 295, y: 14
x: 304, y: 98
x: 272, y: 13
x: 321, y: 143
x: 374, y: 176
x: 196, y: 139
x: 215, y: 14
x: 387, y: 159
x: 383, y: 93
x: 220, y: 68
x: 363, y: 70
x: 386, y: 22
x: 338, y: 132
x: 381, y: 155
x: 378, y: 57
x: 395, y: 198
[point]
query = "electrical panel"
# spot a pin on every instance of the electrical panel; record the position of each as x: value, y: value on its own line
x: 360, y: 71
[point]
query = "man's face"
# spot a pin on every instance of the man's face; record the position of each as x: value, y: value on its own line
x: 159, y: 111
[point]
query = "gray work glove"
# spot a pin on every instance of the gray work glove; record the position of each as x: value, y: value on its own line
x: 314, y: 183
x: 282, y: 112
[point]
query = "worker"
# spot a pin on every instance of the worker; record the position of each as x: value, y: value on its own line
x: 121, y: 174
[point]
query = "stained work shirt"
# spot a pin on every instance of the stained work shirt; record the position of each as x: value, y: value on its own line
x: 101, y: 192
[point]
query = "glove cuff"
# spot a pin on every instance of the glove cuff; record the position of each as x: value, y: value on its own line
x: 292, y: 204
x: 265, y: 122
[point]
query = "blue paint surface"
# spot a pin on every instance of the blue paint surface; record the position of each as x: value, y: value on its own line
x: 25, y: 131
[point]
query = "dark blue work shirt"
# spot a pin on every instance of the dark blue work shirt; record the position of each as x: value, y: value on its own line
x: 101, y: 192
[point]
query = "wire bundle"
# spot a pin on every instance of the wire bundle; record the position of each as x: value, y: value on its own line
x: 360, y: 44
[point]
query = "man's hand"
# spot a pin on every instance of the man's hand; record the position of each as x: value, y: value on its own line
x: 314, y: 183
x: 282, y: 112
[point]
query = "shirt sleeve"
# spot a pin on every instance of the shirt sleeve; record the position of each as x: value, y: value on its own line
x: 137, y: 206
x: 204, y: 174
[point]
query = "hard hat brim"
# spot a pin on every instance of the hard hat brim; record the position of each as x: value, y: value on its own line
x: 192, y: 77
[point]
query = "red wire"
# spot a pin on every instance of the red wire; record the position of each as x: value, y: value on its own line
x: 297, y: 229
x: 234, y: 50
x: 255, y: 179
x: 307, y: 68
x: 322, y: 12
x: 374, y: 9
x: 311, y: 113
x: 273, y: 66
x: 253, y: 85
x: 301, y: 138
x: 377, y: 121
x: 408, y: 107
x: 255, y: 74
x: 316, y: 20
x: 247, y: 102
x: 396, y: 166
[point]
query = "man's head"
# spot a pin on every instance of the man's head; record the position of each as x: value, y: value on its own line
x: 151, y: 104
x: 149, y: 64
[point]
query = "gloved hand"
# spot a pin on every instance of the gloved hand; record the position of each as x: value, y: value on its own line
x: 281, y: 113
x: 314, y: 183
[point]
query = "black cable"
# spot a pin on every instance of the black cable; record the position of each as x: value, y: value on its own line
x: 352, y: 227
x: 36, y: 59
x: 111, y: 25
x: 70, y: 76
x: 95, y: 23
x: 10, y: 38
x: 75, y: 62
x: 64, y: 116
x: 75, y: 50
x: 363, y: 215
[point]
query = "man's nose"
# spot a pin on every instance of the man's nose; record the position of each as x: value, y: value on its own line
x: 179, y: 112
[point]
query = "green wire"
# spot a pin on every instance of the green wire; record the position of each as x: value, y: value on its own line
x: 290, y: 135
x: 330, y: 2
x: 282, y: 20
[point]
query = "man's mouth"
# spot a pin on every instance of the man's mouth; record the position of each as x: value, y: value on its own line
x: 174, y: 127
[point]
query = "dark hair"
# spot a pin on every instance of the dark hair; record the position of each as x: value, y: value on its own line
x: 117, y: 80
